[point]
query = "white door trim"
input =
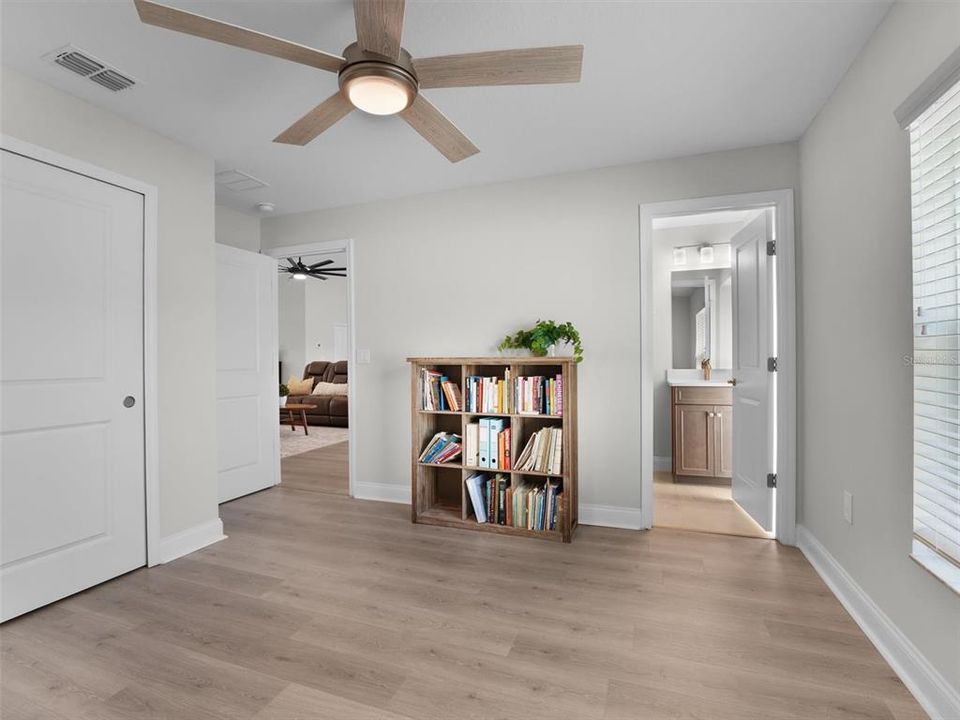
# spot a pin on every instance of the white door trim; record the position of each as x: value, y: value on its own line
x: 326, y: 246
x: 786, y: 396
x: 150, y: 307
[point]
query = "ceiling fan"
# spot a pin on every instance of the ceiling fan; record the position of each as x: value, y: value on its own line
x: 380, y: 77
x: 300, y: 271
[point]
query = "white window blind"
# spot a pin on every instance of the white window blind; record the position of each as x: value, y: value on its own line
x: 935, y: 189
x: 700, y: 320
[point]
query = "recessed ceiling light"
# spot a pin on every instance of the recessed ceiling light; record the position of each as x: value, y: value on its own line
x: 266, y: 207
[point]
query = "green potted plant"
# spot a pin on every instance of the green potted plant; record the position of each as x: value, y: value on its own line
x: 284, y: 391
x: 542, y: 339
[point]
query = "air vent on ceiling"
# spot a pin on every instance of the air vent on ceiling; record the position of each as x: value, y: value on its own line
x: 78, y: 62
x: 84, y: 64
x: 111, y: 80
x: 239, y: 181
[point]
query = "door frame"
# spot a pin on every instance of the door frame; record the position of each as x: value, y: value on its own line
x: 151, y: 416
x: 785, y: 510
x: 327, y: 246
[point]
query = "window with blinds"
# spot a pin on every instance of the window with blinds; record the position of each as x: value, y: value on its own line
x: 935, y: 189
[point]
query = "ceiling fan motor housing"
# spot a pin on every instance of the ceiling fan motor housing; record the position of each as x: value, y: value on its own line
x: 360, y: 64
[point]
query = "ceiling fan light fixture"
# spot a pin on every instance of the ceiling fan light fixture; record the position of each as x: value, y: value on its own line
x: 299, y: 276
x: 378, y: 88
x: 378, y: 95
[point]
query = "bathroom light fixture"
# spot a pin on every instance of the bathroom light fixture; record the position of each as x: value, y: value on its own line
x: 679, y: 256
x: 706, y: 254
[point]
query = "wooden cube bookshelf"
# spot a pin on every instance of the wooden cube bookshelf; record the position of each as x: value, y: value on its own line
x: 438, y: 492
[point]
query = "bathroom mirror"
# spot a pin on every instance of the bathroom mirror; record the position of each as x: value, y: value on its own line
x: 701, y: 308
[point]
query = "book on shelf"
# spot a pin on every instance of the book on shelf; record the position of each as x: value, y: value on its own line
x: 443, y: 447
x: 488, y: 444
x: 430, y: 393
x: 524, y: 395
x: 529, y: 506
x: 543, y: 452
x: 476, y: 487
x: 451, y: 394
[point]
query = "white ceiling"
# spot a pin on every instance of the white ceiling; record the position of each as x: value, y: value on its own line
x: 719, y: 217
x: 660, y: 79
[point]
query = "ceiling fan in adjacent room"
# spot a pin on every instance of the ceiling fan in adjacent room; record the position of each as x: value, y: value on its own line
x: 380, y: 77
x: 298, y: 270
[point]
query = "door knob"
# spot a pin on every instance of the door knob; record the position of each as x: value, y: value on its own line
x: 129, y: 401
x: 732, y: 381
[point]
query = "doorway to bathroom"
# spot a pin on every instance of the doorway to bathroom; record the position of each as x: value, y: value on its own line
x: 713, y: 360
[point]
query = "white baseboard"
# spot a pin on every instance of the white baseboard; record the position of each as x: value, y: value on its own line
x: 662, y: 464
x: 611, y: 516
x: 940, y: 700
x: 189, y: 540
x: 384, y: 492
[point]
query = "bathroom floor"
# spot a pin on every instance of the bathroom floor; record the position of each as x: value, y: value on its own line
x: 704, y: 507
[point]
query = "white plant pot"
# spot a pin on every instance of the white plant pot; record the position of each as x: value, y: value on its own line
x: 560, y: 349
x: 283, y: 401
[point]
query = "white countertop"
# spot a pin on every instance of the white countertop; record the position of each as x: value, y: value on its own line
x: 698, y: 383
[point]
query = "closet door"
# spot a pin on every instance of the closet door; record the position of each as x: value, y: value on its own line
x: 72, y: 496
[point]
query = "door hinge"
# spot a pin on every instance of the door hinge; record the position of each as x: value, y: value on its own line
x: 771, y: 364
x: 771, y: 480
x: 771, y: 247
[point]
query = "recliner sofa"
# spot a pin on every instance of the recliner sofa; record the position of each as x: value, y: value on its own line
x: 327, y: 409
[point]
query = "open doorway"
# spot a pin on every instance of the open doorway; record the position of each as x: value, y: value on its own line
x: 693, y: 421
x: 314, y: 351
x: 717, y: 328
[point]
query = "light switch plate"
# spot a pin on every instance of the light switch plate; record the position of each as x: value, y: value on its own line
x: 363, y: 356
x: 848, y: 506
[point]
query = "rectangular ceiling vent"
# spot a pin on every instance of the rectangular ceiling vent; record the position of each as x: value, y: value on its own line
x: 84, y: 64
x: 239, y: 181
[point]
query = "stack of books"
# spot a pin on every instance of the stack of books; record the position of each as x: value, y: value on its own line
x: 437, y: 392
x: 490, y: 394
x: 539, y: 395
x: 524, y: 395
x: 488, y: 444
x: 496, y: 501
x: 444, y: 447
x: 543, y: 452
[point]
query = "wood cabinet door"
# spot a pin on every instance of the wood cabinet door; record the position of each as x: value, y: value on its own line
x: 695, y: 452
x: 723, y: 425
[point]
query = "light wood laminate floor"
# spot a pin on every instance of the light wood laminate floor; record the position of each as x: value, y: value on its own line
x: 318, y: 606
x: 323, y: 470
x: 701, y: 506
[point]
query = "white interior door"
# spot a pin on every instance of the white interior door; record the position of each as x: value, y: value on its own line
x: 72, y: 495
x: 248, y: 441
x: 753, y: 432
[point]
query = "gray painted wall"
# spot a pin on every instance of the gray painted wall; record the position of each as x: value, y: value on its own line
x: 855, y: 392
x: 237, y: 229
x: 568, y: 247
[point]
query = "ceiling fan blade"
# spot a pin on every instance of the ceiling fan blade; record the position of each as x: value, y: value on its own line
x: 316, y: 121
x: 527, y: 66
x: 291, y: 262
x: 181, y: 21
x: 320, y: 264
x: 433, y: 126
x: 379, y: 26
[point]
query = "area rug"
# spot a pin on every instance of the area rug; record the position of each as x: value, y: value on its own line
x: 294, y: 442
